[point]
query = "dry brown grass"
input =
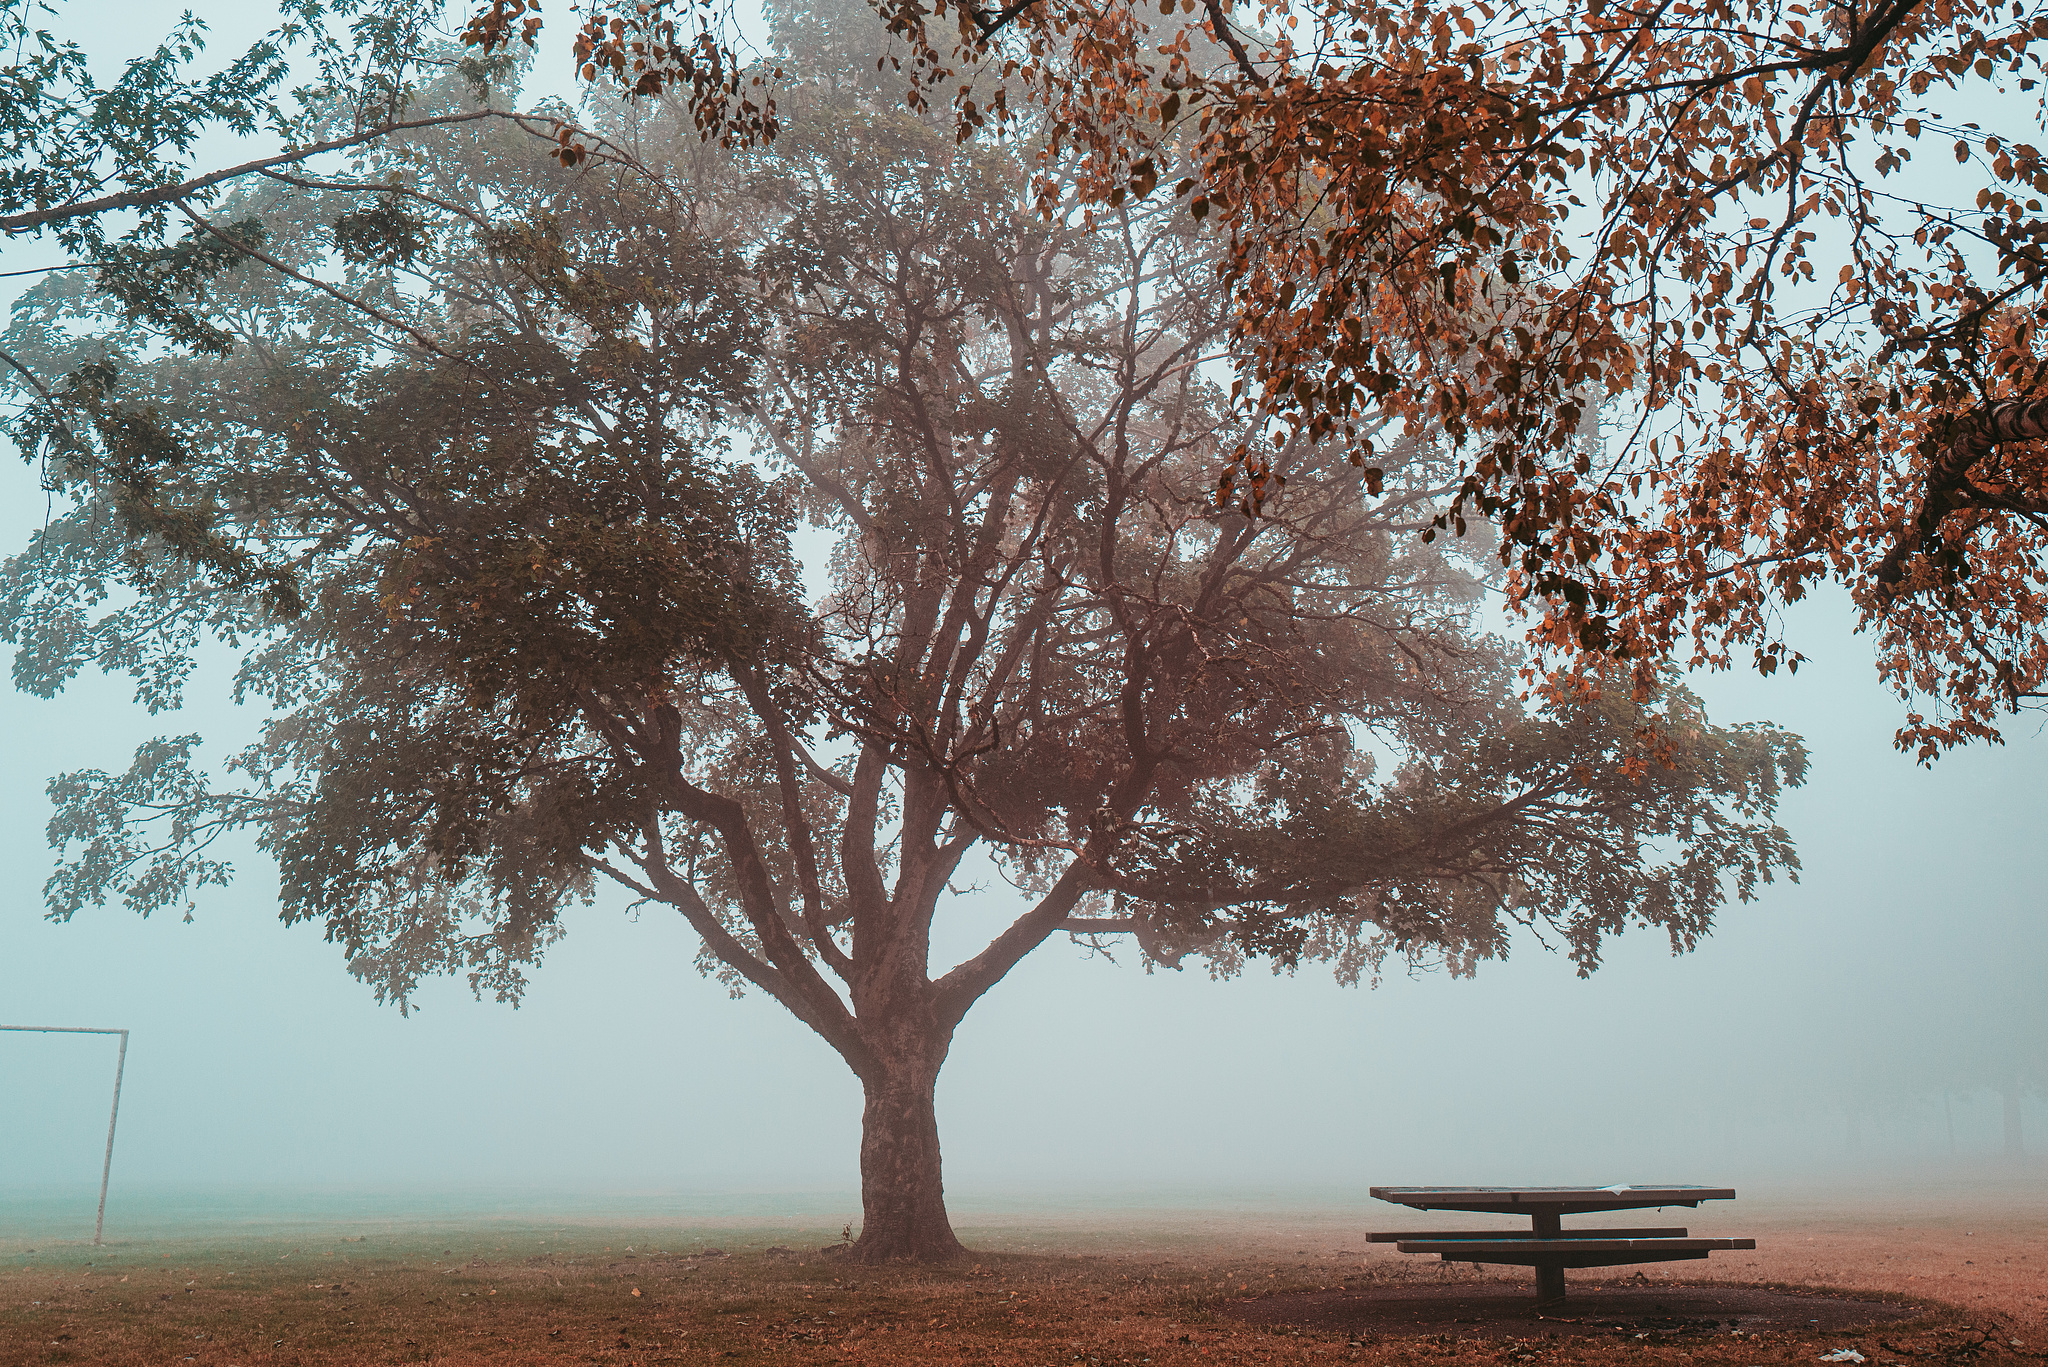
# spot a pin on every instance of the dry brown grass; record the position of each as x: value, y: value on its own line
x: 1145, y: 1293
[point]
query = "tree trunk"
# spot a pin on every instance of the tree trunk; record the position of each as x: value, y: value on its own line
x: 902, y: 1199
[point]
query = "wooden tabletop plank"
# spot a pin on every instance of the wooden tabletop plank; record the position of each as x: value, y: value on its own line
x: 1552, y: 1200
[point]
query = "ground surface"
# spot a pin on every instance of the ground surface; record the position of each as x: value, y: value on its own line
x: 1959, y: 1277
x: 1507, y: 1311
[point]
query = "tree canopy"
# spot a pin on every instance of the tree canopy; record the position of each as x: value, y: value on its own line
x: 495, y: 471
x: 1705, y: 334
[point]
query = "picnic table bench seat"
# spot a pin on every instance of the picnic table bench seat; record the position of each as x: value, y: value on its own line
x: 1571, y: 1251
x: 1546, y: 1246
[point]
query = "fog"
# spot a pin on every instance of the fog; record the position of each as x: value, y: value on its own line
x: 1813, y: 1029
x: 1818, y: 1030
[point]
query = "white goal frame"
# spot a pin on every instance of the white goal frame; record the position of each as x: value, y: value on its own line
x: 113, y: 1115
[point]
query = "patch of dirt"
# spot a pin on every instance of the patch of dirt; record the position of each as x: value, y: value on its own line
x: 1482, y: 1310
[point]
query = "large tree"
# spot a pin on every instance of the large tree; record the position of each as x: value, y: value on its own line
x: 441, y: 448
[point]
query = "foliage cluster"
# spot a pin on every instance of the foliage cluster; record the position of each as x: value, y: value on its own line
x: 1704, y: 331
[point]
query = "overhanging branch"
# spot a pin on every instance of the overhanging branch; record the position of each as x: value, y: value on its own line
x: 166, y: 194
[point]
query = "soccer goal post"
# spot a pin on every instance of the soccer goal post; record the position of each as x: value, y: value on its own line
x: 113, y: 1114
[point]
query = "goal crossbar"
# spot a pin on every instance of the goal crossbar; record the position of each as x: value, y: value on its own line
x: 113, y: 1114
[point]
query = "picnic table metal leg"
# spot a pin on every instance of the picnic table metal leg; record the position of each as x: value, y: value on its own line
x: 1549, y: 1277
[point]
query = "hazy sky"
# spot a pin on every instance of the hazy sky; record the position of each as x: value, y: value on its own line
x: 257, y: 1059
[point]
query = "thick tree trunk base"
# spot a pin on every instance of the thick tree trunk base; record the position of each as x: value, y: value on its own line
x: 908, y: 1246
x: 903, y: 1200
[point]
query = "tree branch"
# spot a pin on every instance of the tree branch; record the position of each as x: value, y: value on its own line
x: 961, y: 987
x: 1975, y: 435
x: 169, y: 194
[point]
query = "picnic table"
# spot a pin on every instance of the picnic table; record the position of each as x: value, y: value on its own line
x: 1546, y: 1245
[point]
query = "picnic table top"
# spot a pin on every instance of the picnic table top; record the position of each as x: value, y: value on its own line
x: 1450, y: 1247
x: 1558, y: 1200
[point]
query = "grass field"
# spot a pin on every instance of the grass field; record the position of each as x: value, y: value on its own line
x: 1087, y: 1289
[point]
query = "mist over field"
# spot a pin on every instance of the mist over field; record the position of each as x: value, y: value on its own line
x: 1861, y: 1021
x: 1814, y: 1031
